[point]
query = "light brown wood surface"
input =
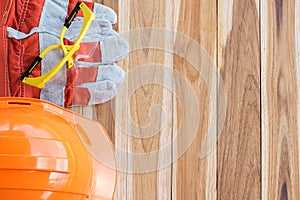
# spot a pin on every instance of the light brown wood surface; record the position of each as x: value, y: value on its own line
x: 279, y: 71
x: 239, y: 63
x: 247, y: 51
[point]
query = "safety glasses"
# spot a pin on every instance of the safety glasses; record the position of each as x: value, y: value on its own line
x: 68, y: 50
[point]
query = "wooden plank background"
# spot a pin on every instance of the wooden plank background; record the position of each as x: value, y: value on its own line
x: 247, y: 49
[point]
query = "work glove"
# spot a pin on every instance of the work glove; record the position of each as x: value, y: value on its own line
x: 94, y: 77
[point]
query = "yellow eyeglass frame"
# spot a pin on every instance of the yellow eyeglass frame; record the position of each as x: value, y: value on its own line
x: 68, y: 50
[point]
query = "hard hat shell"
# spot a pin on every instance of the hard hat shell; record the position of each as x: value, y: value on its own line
x: 46, y: 153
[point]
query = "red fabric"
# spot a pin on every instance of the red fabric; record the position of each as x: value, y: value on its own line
x: 4, y: 74
x: 25, y: 14
x: 76, y: 77
x: 21, y: 55
x: 22, y: 15
x: 73, y: 94
x: 71, y: 77
x: 4, y: 8
x: 72, y: 5
x: 86, y: 74
x: 81, y: 96
x: 79, y: 75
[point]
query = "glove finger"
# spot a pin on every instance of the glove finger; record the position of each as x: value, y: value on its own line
x: 99, y: 73
x: 112, y: 47
x: 104, y: 12
x: 97, y: 27
x: 93, y: 93
x: 111, y: 72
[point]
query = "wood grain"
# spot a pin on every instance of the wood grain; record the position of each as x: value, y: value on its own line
x: 195, y: 178
x: 280, y: 130
x: 149, y: 183
x: 147, y: 14
x: 239, y: 168
x: 122, y: 141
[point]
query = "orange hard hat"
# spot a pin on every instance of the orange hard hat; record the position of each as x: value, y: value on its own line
x: 47, y: 152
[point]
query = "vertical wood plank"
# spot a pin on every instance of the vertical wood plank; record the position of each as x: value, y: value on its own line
x: 146, y: 14
x: 297, y: 56
x: 195, y: 178
x: 152, y: 184
x: 280, y: 93
x: 122, y: 140
x: 239, y: 64
x: 164, y: 176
